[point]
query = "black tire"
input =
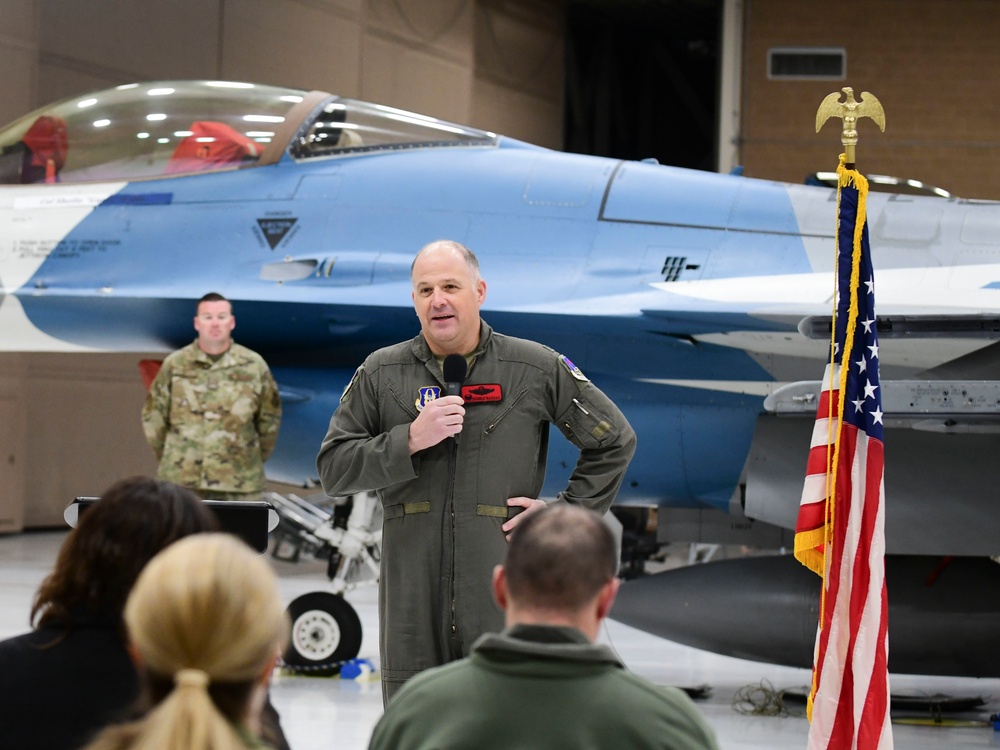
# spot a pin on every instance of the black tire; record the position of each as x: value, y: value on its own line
x: 326, y: 631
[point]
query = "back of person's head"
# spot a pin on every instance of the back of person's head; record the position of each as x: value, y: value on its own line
x: 559, y: 557
x: 206, y: 623
x: 114, y: 539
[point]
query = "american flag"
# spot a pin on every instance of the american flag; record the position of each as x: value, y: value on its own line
x: 840, y: 530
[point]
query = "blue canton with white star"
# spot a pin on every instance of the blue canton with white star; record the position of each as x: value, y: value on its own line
x: 863, y: 397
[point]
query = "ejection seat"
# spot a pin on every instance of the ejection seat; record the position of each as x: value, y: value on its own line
x: 38, y: 156
x: 212, y: 145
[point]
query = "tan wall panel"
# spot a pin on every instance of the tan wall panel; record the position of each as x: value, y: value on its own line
x: 11, y: 456
x: 19, y: 94
x: 18, y: 57
x: 442, y: 27
x: 147, y: 38
x: 412, y: 79
x: 933, y: 65
x: 85, y: 431
x: 521, y: 46
x: 291, y: 44
x: 518, y: 90
x: 516, y: 114
x: 13, y: 432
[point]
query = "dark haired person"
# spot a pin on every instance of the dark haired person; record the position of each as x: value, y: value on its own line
x: 213, y: 411
x: 71, y: 675
x: 543, y: 683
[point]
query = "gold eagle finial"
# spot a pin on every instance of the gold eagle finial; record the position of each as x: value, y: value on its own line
x: 849, y: 111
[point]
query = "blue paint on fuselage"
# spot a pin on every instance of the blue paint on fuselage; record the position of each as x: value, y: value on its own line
x: 569, y: 257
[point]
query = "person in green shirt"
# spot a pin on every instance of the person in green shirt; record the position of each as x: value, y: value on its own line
x: 543, y: 682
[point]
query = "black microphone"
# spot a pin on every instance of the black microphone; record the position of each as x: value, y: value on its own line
x: 455, y: 367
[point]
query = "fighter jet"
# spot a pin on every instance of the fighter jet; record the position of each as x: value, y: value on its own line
x: 699, y: 302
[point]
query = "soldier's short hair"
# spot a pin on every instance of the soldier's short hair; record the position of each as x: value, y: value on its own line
x: 210, y: 297
x: 559, y: 558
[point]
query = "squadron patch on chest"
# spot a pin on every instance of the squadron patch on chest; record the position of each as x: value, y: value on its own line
x: 482, y: 393
x: 427, y: 394
x: 575, y: 371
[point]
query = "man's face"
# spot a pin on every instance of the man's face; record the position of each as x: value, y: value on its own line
x: 214, y: 324
x: 447, y: 300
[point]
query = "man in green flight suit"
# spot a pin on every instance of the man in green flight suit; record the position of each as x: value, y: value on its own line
x: 450, y: 470
x: 212, y: 413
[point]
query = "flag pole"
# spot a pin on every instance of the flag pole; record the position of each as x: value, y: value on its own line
x: 840, y: 529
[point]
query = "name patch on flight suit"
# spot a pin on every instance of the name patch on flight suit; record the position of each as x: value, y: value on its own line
x: 575, y: 371
x: 427, y: 394
x: 482, y: 393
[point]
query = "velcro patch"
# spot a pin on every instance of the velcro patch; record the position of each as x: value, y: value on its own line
x: 427, y: 394
x: 482, y: 393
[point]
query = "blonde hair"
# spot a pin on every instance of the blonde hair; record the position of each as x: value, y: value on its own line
x: 206, y: 619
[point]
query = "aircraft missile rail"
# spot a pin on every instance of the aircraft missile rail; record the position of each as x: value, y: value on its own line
x: 909, y: 399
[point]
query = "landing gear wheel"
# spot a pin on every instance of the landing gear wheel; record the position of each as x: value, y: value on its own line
x: 326, y: 632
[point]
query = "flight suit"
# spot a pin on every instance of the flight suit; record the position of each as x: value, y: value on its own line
x: 444, y: 506
x: 213, y: 423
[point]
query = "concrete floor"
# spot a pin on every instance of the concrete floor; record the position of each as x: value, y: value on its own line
x: 320, y: 712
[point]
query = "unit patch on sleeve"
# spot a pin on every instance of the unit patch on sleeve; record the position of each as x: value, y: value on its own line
x: 575, y: 371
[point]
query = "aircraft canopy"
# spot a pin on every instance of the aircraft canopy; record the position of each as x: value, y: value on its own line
x: 165, y: 128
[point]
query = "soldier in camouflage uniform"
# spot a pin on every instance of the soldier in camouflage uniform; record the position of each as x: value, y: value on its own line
x: 213, y: 411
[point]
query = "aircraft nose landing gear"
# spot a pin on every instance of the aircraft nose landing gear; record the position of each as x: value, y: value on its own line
x: 326, y: 632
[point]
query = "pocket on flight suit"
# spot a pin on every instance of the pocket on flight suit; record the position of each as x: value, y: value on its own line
x: 585, y: 425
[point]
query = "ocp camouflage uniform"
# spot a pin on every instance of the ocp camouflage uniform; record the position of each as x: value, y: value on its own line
x: 444, y: 506
x: 212, y: 424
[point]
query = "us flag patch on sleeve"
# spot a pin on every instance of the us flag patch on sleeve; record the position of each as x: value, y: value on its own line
x: 575, y: 371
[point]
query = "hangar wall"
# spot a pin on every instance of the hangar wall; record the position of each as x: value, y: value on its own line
x: 487, y: 63
x: 933, y: 64
x: 70, y: 428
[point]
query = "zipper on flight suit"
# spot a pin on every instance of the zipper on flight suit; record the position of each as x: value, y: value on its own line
x: 500, y: 417
x: 452, y: 466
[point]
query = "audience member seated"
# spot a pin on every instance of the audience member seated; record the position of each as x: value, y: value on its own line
x: 72, y: 675
x: 206, y: 626
x: 212, y: 145
x: 543, y: 683
x: 39, y: 156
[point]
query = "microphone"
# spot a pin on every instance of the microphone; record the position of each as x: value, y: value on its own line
x: 455, y: 367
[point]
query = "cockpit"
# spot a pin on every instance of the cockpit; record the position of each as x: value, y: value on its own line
x: 167, y: 128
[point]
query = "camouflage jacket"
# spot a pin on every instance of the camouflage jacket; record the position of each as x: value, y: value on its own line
x: 213, y: 424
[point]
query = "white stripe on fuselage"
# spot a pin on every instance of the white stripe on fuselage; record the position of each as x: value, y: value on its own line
x: 917, y: 291
x: 927, y: 291
x: 17, y: 334
x: 33, y: 221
